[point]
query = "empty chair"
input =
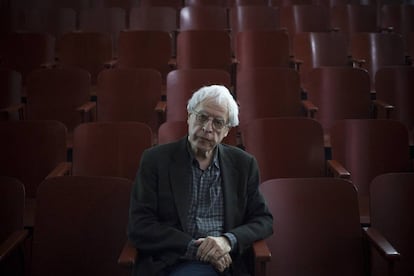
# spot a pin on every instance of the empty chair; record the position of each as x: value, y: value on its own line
x: 176, y: 4
x: 174, y: 130
x: 316, y: 49
x: 398, y: 17
x: 319, y: 231
x: 203, y: 18
x: 157, y: 18
x: 339, y: 93
x: 12, y: 234
x: 394, y: 85
x: 204, y: 49
x: 249, y: 2
x: 26, y: 51
x: 391, y: 213
x: 61, y: 94
x: 268, y: 92
x: 409, y: 43
x: 88, y: 213
x: 145, y: 49
x: 378, y: 50
x: 129, y: 94
x: 368, y: 148
x: 354, y: 18
x: 87, y: 50
x: 109, y: 148
x: 281, y: 3
x: 11, y: 107
x: 218, y: 3
x: 30, y: 151
x: 104, y: 20
x: 277, y: 143
x: 182, y: 83
x: 256, y: 48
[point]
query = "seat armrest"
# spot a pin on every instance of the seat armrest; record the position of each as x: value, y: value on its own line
x: 62, y: 169
x: 161, y: 107
x: 295, y: 63
x: 88, y: 112
x: 383, y: 106
x: 262, y: 256
x: 16, y: 108
x: 358, y: 63
x: 310, y: 108
x: 12, y: 242
x: 381, y: 244
x: 128, y: 255
x: 337, y: 170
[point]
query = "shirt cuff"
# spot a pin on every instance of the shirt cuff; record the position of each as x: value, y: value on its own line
x: 191, y: 252
x: 233, y: 240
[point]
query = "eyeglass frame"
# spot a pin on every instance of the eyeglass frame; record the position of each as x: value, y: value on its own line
x: 207, y: 118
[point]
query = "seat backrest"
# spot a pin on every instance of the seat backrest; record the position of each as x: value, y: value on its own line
x: 217, y: 3
x: 353, y: 18
x: 128, y: 94
x: 317, y: 227
x: 26, y: 51
x: 176, y: 4
x: 174, y: 130
x: 268, y: 92
x: 90, y: 214
x: 10, y: 87
x: 256, y: 48
x: 30, y: 150
x: 145, y: 49
x: 203, y: 18
x: 182, y: 83
x: 157, y: 18
x: 370, y: 147
x: 87, y: 50
x: 339, y: 93
x: 204, y: 49
x: 109, y: 148
x: 316, y: 49
x: 394, y: 85
x: 277, y: 143
x: 55, y: 94
x: 12, y: 195
x: 378, y: 50
x: 391, y: 213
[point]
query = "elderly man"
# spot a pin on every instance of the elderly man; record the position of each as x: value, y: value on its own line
x: 195, y: 206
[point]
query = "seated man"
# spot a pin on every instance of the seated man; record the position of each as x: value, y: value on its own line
x: 195, y: 207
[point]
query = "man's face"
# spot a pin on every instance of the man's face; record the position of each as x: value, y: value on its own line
x: 207, y: 126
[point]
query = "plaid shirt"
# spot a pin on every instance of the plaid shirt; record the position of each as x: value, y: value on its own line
x: 206, y: 213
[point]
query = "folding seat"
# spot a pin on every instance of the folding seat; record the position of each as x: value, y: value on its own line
x: 11, y: 106
x: 281, y: 3
x: 182, y: 83
x: 218, y: 3
x: 55, y: 22
x: 30, y: 152
x: 268, y: 92
x: 318, y: 229
x: 378, y: 50
x: 80, y: 226
x: 409, y: 43
x: 391, y: 213
x: 26, y: 51
x: 129, y: 94
x: 339, y: 93
x: 203, y: 18
x: 398, y: 17
x: 174, y: 130
x: 317, y: 49
x: 109, y: 148
x: 104, y: 20
x: 367, y: 148
x: 394, y: 88
x: 204, y: 49
x: 252, y: 17
x: 12, y: 234
x: 87, y: 50
x: 176, y: 4
x: 353, y: 18
x: 277, y: 143
x: 262, y: 48
x: 249, y: 2
x: 61, y: 94
x: 145, y: 49
x: 154, y: 18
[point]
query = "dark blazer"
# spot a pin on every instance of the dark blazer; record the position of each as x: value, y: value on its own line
x: 160, y: 202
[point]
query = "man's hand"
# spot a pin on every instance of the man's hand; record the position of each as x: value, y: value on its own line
x: 214, y: 250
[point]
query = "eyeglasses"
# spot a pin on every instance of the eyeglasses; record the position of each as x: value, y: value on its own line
x: 203, y: 119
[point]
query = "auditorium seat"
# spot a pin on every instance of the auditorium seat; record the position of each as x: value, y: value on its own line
x: 391, y: 213
x: 203, y: 18
x: 216, y: 3
x: 176, y: 4
x: 354, y: 18
x: 317, y: 230
x: 367, y: 148
x: 11, y: 106
x: 80, y: 226
x: 399, y: 17
x: 12, y: 234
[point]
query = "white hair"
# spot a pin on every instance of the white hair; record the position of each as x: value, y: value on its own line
x: 221, y: 95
